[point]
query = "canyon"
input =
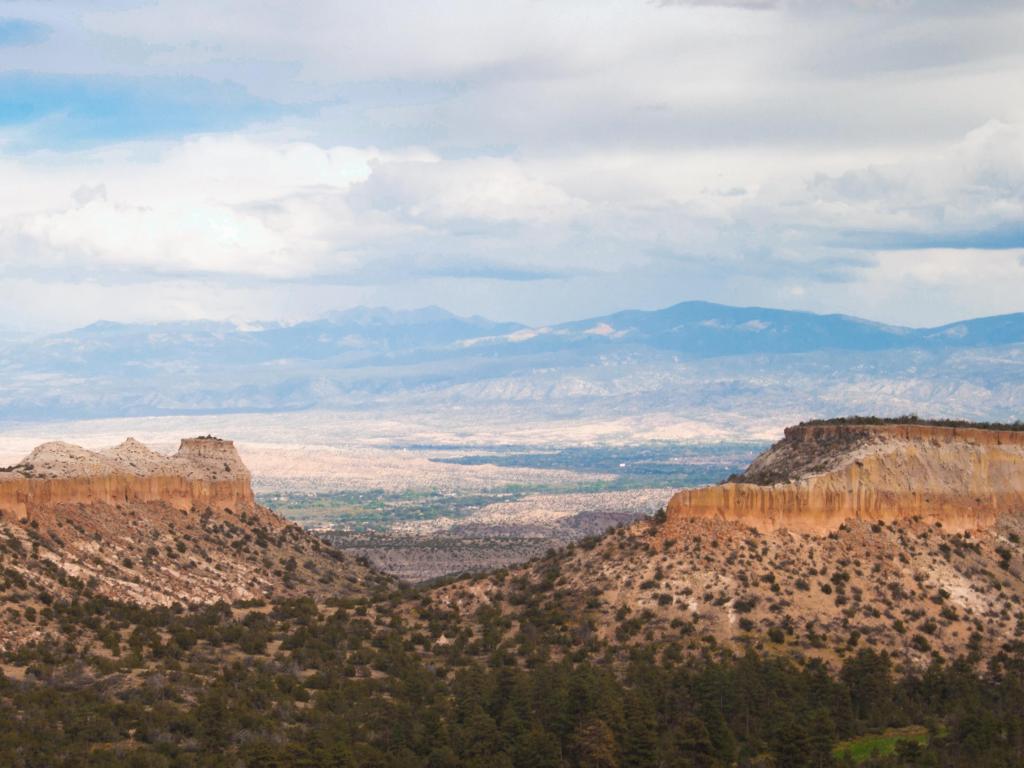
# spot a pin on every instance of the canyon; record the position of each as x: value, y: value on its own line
x: 895, y: 535
x: 904, y: 537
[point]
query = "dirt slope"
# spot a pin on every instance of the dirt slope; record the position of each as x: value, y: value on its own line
x: 131, y: 524
x: 690, y: 585
x: 905, y: 538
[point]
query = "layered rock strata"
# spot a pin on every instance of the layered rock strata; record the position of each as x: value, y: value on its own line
x: 134, y: 525
x: 818, y: 476
x: 206, y: 472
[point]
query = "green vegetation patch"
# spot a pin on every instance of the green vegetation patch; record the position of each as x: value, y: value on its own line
x: 378, y: 510
x: 880, y: 744
x: 648, y: 465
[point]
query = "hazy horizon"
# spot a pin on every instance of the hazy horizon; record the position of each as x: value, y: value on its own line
x: 256, y: 323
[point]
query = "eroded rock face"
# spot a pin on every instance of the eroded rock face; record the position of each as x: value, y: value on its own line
x: 818, y: 476
x: 205, y: 472
x: 131, y: 524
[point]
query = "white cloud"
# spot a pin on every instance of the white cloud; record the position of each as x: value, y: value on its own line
x: 629, y: 152
x: 259, y: 209
x: 220, y: 204
x: 993, y: 274
x: 484, y: 189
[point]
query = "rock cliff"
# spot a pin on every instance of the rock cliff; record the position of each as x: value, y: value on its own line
x: 205, y: 472
x: 820, y: 475
x: 132, y: 524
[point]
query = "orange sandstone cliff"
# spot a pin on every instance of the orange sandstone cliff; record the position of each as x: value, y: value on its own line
x: 205, y: 472
x: 820, y: 475
x: 131, y: 524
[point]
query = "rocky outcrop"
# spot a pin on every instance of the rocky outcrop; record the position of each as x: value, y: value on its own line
x: 818, y: 476
x: 206, y: 472
x: 134, y: 525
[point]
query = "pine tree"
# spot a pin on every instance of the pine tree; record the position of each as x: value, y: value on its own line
x: 594, y: 745
x: 640, y: 736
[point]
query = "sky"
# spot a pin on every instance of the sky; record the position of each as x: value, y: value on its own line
x: 530, y: 160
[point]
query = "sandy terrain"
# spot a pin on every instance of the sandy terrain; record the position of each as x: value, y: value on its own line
x: 329, y: 451
x: 387, y: 455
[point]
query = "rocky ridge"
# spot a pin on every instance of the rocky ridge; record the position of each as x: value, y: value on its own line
x: 820, y: 475
x: 905, y: 538
x: 691, y: 585
x: 131, y: 524
x: 206, y: 471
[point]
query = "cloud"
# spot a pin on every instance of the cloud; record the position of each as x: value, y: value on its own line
x: 543, y: 77
x: 232, y: 207
x: 955, y: 283
x: 951, y: 269
x: 530, y: 160
x: 212, y: 205
x: 969, y: 195
x: 755, y: 5
x: 479, y: 189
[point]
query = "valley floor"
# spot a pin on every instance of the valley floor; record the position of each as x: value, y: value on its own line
x: 422, y: 497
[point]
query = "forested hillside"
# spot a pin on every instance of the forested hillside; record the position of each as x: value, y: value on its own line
x: 291, y: 684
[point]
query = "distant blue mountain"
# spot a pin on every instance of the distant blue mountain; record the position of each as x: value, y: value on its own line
x: 981, y: 332
x: 698, y: 329
x: 702, y: 329
x: 350, y: 335
x: 371, y: 355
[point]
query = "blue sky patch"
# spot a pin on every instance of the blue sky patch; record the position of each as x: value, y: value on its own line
x: 68, y: 111
x: 22, y: 32
x: 1006, y: 236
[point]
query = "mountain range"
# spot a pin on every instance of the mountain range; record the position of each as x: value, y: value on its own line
x: 691, y: 359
